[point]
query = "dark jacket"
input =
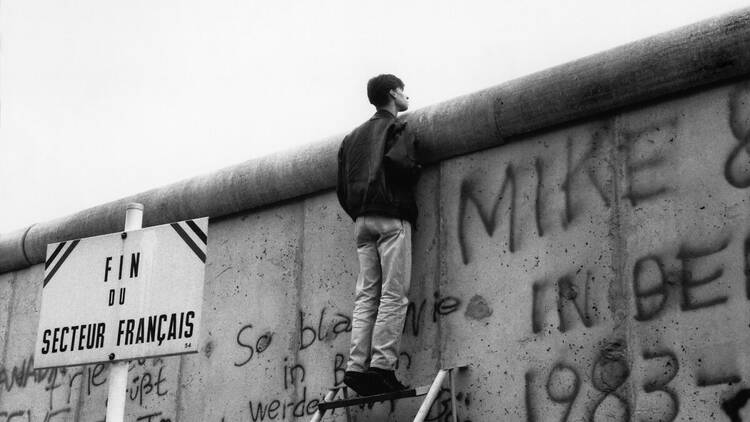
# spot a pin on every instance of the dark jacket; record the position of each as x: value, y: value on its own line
x: 366, y: 185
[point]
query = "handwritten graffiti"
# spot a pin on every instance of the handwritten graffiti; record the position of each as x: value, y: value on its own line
x: 327, y: 325
x: 736, y: 171
x: 563, y: 385
x: 733, y: 405
x: 587, y: 165
x: 89, y: 377
x: 253, y: 347
x: 608, y: 174
x: 153, y: 417
x: 652, y: 281
x: 147, y: 380
x: 441, y: 306
x: 52, y: 379
x: 293, y: 374
x: 20, y: 375
x: 488, y: 218
x: 337, y: 324
x: 644, y: 157
x: 147, y: 377
x: 664, y: 370
x: 28, y: 415
x: 573, y: 301
x: 279, y: 409
x: 587, y: 180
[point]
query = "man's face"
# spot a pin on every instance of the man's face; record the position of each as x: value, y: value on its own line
x: 401, y: 100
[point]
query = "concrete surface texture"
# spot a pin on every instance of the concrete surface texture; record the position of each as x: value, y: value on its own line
x: 598, y: 271
x: 594, y: 272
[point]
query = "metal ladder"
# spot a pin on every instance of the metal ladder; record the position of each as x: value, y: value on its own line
x: 429, y: 391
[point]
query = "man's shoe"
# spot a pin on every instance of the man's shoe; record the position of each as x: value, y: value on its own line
x: 389, y: 382
x: 360, y: 382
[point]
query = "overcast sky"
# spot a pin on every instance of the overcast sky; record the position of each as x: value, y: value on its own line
x: 103, y: 99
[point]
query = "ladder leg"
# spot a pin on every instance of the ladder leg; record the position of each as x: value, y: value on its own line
x: 431, y: 396
x: 319, y: 414
x: 452, y: 376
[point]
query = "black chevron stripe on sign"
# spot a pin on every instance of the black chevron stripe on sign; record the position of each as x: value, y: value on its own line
x: 185, y: 237
x: 197, y: 230
x: 62, y: 259
x: 54, y: 254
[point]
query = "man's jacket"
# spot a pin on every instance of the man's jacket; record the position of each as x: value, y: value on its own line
x: 366, y: 184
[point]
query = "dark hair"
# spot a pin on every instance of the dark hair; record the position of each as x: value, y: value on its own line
x: 379, y: 87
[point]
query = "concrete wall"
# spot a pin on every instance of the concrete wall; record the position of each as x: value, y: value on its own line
x: 594, y: 271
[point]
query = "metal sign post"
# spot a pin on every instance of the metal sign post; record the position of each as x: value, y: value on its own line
x: 118, y: 371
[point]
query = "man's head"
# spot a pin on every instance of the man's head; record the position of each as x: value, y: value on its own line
x: 384, y: 90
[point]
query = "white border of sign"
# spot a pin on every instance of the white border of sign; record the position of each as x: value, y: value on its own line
x: 123, y: 296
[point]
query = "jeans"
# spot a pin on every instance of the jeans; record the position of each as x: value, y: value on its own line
x: 384, y: 250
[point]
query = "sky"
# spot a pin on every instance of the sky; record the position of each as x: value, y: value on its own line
x: 105, y: 99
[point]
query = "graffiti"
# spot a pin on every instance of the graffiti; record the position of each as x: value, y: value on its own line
x: 28, y: 415
x: 652, y: 281
x: 442, y: 306
x: 595, y: 186
x: 52, y: 379
x: 445, y: 306
x: 564, y: 384
x: 19, y: 375
x: 90, y: 377
x: 661, y: 376
x: 642, y: 160
x: 560, y: 393
x: 733, y: 405
x: 586, y: 166
x: 736, y: 171
x: 293, y: 374
x: 415, y: 317
x: 685, y: 278
x: 573, y: 302
x: 587, y: 179
x: 278, y: 409
x: 337, y: 324
x: 442, y: 408
x: 147, y: 377
x: 326, y: 326
x: 539, y: 169
x: 149, y: 380
x: 253, y: 348
x: 609, y: 373
x: 707, y: 381
x: 488, y: 218
x: 687, y: 255
x: 153, y: 417
x: 339, y: 367
x: 716, y: 364
x: 645, y: 309
x: 731, y: 173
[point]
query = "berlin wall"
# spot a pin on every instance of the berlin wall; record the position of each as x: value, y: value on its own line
x: 583, y: 244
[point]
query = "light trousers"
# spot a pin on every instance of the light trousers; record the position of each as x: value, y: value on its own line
x: 384, y: 251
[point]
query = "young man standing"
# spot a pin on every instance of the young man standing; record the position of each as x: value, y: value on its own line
x: 379, y: 196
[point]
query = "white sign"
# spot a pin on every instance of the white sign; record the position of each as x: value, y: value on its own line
x: 123, y: 295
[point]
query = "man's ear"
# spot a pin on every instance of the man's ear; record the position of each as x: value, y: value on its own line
x: 392, y: 93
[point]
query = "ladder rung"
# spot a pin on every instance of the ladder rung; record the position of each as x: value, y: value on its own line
x: 414, y: 392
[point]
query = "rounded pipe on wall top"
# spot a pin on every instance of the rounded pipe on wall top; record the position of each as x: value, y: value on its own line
x: 697, y: 55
